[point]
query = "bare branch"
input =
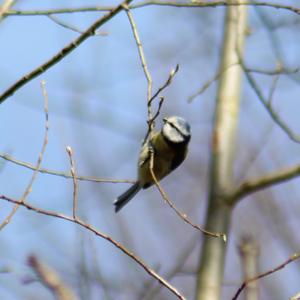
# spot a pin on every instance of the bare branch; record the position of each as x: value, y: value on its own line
x: 150, y: 290
x: 92, y: 229
x: 166, y: 84
x: 64, y: 52
x: 274, y: 115
x: 59, y: 173
x: 72, y: 27
x: 281, y: 266
x: 144, y: 66
x: 272, y: 90
x: 150, y: 97
x: 51, y: 280
x: 208, y: 83
x: 255, y: 185
x: 277, y: 71
x: 151, y: 122
x: 39, y: 161
x: 75, y: 185
x: 191, y: 4
x: 161, y: 101
x: 183, y: 216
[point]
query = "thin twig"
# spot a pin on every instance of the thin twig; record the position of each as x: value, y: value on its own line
x: 72, y: 27
x: 272, y: 90
x: 278, y: 70
x: 161, y: 101
x: 190, y: 4
x: 151, y: 291
x: 64, y: 52
x: 39, y: 161
x: 144, y: 66
x: 255, y: 185
x: 208, y: 83
x: 150, y: 97
x: 274, y: 115
x: 151, y: 122
x: 90, y: 228
x: 281, y: 266
x: 183, y: 216
x: 51, y: 280
x: 166, y: 84
x: 59, y: 173
x: 75, y: 184
x: 276, y: 44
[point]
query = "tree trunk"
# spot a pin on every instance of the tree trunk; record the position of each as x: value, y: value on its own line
x: 210, y: 274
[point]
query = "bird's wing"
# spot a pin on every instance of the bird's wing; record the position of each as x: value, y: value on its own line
x: 144, y: 154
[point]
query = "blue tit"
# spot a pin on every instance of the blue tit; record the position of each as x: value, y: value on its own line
x: 169, y: 147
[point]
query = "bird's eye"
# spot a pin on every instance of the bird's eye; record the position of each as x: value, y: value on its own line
x: 164, y: 120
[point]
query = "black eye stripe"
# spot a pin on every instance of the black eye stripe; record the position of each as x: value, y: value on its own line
x: 173, y: 126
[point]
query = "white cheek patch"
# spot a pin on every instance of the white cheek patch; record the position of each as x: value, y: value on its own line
x: 172, y: 134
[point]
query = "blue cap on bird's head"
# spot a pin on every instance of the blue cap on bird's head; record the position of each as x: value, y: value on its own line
x: 176, y: 130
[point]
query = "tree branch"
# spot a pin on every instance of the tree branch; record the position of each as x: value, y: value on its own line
x: 255, y: 185
x: 281, y: 266
x: 59, y: 173
x: 71, y: 27
x: 51, y: 280
x: 92, y: 229
x: 273, y: 114
x: 191, y: 4
x: 64, y: 52
x: 183, y: 216
x: 39, y: 161
x: 75, y: 184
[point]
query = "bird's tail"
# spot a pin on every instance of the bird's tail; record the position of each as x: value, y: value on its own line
x: 126, y: 196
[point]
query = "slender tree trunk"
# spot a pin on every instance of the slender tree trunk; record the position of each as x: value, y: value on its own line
x: 210, y: 274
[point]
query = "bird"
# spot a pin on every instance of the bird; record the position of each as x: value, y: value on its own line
x: 169, y: 147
